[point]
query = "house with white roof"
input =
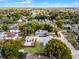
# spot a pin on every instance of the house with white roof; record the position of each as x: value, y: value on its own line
x: 44, y: 40
x: 1, y: 34
x: 66, y: 26
x: 31, y: 40
x: 14, y: 28
x: 41, y: 33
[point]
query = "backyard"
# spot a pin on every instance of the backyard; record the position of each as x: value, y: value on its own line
x: 38, y: 48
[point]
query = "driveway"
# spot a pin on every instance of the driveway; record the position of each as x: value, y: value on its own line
x: 32, y: 56
x: 75, y: 53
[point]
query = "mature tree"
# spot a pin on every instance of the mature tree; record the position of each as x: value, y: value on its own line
x: 53, y: 14
x: 35, y: 25
x: 10, y: 48
x: 1, y: 15
x: 4, y: 27
x: 22, y: 26
x: 76, y: 20
x: 30, y: 18
x: 58, y: 49
x: 60, y: 23
x: 15, y: 16
x: 41, y: 17
x: 29, y: 30
x: 48, y: 27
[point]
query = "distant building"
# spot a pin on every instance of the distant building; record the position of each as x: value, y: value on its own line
x: 1, y: 34
x: 34, y: 14
x: 22, y: 19
x: 14, y: 28
x: 66, y: 26
x: 75, y: 29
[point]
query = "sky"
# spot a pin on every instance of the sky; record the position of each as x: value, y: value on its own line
x: 39, y: 3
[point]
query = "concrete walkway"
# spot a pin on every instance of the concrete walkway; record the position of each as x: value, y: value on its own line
x: 75, y: 53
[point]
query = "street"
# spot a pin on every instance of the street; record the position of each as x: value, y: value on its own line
x: 75, y: 53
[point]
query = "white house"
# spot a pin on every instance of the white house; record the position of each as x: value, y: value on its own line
x: 1, y: 34
x: 66, y: 26
x: 30, y: 41
x: 14, y: 28
x: 41, y: 33
x: 44, y: 40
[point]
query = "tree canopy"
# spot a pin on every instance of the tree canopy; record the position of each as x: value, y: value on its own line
x: 58, y: 49
x: 60, y: 23
x: 10, y: 48
x: 5, y: 27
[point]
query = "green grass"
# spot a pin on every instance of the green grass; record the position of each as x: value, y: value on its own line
x: 39, y: 48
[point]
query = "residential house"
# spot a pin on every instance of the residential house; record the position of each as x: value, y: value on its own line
x: 67, y: 21
x: 10, y: 35
x: 66, y: 26
x: 14, y: 28
x: 34, y: 14
x: 30, y: 41
x: 75, y: 29
x: 1, y: 34
x: 41, y: 33
x: 45, y: 21
x: 22, y: 18
x: 44, y: 40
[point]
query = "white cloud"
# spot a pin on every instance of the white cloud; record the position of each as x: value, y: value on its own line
x: 24, y: 2
x: 30, y: 3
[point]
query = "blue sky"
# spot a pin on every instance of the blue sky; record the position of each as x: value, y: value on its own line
x: 39, y: 3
